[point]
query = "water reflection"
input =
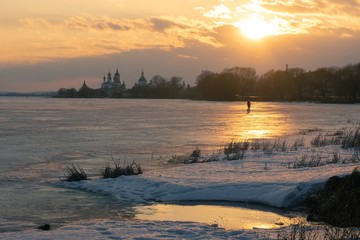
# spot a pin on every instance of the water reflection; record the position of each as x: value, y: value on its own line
x: 264, y: 121
x: 228, y: 217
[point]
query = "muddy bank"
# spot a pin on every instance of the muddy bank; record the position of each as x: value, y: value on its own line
x: 338, y: 203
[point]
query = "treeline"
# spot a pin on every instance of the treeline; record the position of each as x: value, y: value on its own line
x: 160, y: 87
x: 231, y: 84
x: 333, y: 84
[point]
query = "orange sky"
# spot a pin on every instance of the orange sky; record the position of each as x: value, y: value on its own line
x: 46, y: 45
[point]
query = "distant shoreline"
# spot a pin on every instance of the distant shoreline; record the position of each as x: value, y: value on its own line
x: 330, y: 100
x: 27, y: 94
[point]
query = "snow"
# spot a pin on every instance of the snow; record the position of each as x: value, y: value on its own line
x: 218, y: 181
x: 261, y: 177
x: 109, y: 229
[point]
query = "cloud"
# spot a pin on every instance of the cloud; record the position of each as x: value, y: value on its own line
x: 34, y: 22
x: 161, y: 25
x: 219, y: 11
x: 89, y: 35
x: 324, y: 7
x: 50, y: 51
x: 302, y: 16
x: 99, y: 23
x: 293, y: 7
x: 187, y: 56
x: 188, y: 61
x: 85, y: 23
x: 338, y: 6
x: 86, y: 35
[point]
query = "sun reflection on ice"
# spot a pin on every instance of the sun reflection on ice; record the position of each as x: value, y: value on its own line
x: 227, y: 217
x: 258, y: 123
x: 257, y: 133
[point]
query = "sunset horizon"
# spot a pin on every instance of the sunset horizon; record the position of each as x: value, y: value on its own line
x: 46, y: 46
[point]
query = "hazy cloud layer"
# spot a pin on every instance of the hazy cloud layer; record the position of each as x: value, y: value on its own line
x: 42, y: 43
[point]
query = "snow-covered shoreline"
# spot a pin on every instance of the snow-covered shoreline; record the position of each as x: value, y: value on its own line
x: 265, y: 177
x: 260, y: 177
x: 276, y: 186
x: 286, y: 187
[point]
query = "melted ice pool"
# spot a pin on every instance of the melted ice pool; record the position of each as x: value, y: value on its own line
x: 227, y: 217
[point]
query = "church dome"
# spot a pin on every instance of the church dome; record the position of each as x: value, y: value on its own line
x: 117, y: 77
x: 142, y: 80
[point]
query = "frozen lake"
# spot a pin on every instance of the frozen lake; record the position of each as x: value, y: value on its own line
x: 40, y: 137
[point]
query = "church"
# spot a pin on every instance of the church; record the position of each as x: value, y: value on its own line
x: 113, y: 83
x: 142, y: 80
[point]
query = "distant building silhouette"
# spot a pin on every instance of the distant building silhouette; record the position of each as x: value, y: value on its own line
x: 110, y: 83
x: 84, y: 86
x: 142, y: 80
x: 85, y: 91
x: 114, y: 83
x: 111, y: 86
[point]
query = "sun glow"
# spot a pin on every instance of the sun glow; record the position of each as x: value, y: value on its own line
x: 256, y: 27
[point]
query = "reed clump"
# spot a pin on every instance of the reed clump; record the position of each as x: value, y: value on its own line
x: 75, y: 173
x: 118, y: 169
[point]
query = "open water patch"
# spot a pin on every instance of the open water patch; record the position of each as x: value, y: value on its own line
x: 230, y: 216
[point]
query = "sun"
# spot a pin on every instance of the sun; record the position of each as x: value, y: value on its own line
x: 256, y: 27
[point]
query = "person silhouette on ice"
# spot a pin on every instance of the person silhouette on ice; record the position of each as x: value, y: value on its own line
x: 248, y: 105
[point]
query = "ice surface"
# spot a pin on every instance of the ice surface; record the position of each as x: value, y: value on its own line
x: 40, y: 137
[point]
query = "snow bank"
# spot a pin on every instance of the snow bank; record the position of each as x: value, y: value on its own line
x: 276, y: 186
